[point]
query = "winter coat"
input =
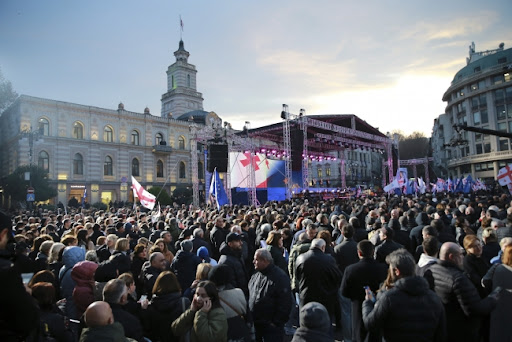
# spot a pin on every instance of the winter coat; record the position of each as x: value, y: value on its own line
x: 476, y: 268
x: 148, y: 277
x: 279, y: 260
x: 385, y: 248
x: 407, y: 312
x: 56, y: 323
x: 298, y: 249
x: 161, y: 312
x: 366, y: 272
x: 463, y: 306
x: 217, y: 238
x: 184, y: 266
x: 500, y: 317
x: 70, y: 257
x: 131, y: 324
x: 83, y: 276
x: 236, y: 298
x: 203, y: 326
x: 234, y: 260
x: 314, y: 324
x: 270, y: 299
x: 18, y: 310
x: 346, y: 254
x: 112, y: 333
x: 319, y: 279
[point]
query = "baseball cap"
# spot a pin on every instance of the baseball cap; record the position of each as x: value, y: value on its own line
x: 233, y: 237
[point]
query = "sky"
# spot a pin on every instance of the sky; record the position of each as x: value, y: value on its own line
x: 388, y: 62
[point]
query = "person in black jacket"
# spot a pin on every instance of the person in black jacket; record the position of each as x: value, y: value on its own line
x: 387, y: 246
x: 218, y: 236
x: 408, y: 311
x: 115, y: 294
x: 464, y: 307
x: 18, y: 311
x: 184, y: 265
x: 319, y: 277
x: 270, y: 299
x: 314, y: 324
x: 366, y: 272
x: 231, y: 255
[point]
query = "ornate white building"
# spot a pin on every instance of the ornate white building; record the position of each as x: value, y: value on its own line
x: 85, y: 147
x: 479, y: 96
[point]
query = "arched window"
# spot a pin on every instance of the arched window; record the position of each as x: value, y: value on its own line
x: 173, y: 84
x: 78, y: 164
x: 78, y: 130
x: 135, y: 138
x: 44, y: 161
x: 200, y: 170
x: 135, y: 167
x: 159, y: 169
x: 108, y: 134
x: 44, y: 127
x: 320, y: 173
x: 328, y: 170
x: 188, y: 80
x: 182, y: 173
x: 181, y: 143
x: 159, y: 138
x: 107, y: 167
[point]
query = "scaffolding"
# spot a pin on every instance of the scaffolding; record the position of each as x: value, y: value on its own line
x: 285, y: 115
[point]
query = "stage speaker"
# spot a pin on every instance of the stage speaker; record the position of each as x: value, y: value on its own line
x: 218, y: 158
x: 297, y: 146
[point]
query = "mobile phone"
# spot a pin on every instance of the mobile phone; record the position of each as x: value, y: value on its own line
x: 143, y: 298
x: 26, y: 277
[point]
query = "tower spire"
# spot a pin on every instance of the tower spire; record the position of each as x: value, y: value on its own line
x: 181, y: 28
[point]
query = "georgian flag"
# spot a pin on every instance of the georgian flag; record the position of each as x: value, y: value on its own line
x: 147, y: 199
x: 505, y: 175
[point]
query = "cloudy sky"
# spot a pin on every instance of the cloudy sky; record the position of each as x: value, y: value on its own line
x: 388, y: 62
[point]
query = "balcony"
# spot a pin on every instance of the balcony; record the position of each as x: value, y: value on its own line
x: 161, y: 149
x: 477, y: 158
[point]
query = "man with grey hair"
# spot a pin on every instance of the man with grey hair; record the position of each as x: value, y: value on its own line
x: 270, y: 299
x: 115, y: 293
x: 319, y: 277
x: 105, y: 251
x: 409, y: 310
x: 198, y: 241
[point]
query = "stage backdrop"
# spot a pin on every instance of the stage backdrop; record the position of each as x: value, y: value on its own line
x: 268, y: 173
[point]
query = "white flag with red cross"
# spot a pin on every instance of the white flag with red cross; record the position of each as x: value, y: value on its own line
x: 147, y: 199
x: 505, y: 175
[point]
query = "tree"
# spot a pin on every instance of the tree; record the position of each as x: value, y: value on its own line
x: 7, y: 94
x: 182, y: 195
x: 415, y: 145
x: 16, y: 186
x: 163, y: 197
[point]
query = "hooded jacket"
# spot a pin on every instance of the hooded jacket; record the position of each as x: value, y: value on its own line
x: 83, y: 276
x: 161, y: 312
x: 234, y: 260
x: 314, y: 324
x: 184, y: 266
x: 407, y: 312
x: 71, y: 256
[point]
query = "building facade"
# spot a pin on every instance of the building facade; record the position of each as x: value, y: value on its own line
x: 84, y: 147
x: 480, y: 96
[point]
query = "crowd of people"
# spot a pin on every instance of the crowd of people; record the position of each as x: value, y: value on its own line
x: 428, y: 268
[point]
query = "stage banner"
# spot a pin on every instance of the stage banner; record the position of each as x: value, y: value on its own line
x: 269, y: 173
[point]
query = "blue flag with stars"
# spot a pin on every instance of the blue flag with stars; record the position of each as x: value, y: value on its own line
x: 217, y: 191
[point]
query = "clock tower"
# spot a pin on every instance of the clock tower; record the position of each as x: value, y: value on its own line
x: 181, y: 96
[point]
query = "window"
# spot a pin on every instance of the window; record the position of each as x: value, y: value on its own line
x: 78, y: 130
x: 500, y: 112
x: 108, y: 134
x: 327, y: 170
x: 502, y: 60
x: 498, y: 79
x: 135, y: 167
x: 504, y: 145
x: 182, y: 173
x: 159, y: 169
x: 499, y: 96
x: 487, y: 148
x: 319, y: 171
x: 507, y: 77
x: 502, y: 126
x: 478, y: 167
x: 181, y: 143
x: 479, y: 149
x: 188, y: 80
x: 474, y: 87
x: 78, y: 164
x: 44, y: 161
x: 159, y: 138
x: 44, y: 127
x: 173, y: 82
x: 461, y: 92
x: 477, y: 69
x: 135, y: 138
x: 107, y: 167
x: 484, y: 117
x: 477, y: 118
x: 200, y: 170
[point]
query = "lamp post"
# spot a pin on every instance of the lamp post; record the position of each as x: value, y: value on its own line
x: 32, y: 134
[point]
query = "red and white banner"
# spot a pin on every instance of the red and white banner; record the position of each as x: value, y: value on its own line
x: 147, y: 199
